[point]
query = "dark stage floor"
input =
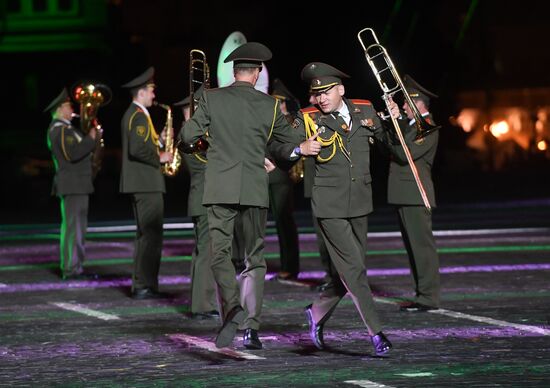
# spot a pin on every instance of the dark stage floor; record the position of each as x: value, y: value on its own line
x: 493, y: 329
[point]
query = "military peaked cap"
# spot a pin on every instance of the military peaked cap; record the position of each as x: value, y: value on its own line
x: 196, y: 96
x: 280, y: 91
x: 250, y: 54
x: 416, y: 90
x: 321, y: 76
x: 141, y: 81
x: 60, y: 99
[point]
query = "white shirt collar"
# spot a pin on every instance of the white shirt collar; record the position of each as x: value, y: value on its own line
x: 344, y: 111
x: 142, y: 108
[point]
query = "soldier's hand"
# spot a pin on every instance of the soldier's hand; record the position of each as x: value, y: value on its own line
x: 166, y: 157
x: 394, y: 109
x: 93, y: 133
x: 163, y: 136
x: 311, y: 146
x: 268, y: 165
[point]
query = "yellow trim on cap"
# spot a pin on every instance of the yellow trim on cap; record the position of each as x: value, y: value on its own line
x: 325, y: 86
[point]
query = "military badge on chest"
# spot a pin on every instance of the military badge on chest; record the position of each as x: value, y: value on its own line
x: 140, y: 130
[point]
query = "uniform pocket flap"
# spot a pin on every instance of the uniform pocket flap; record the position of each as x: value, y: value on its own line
x: 331, y: 181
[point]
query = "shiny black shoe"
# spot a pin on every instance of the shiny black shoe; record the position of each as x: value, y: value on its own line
x: 145, y: 293
x: 415, y: 307
x: 229, y: 328
x: 381, y: 344
x: 325, y: 286
x: 251, y: 340
x: 213, y: 314
x: 315, y: 330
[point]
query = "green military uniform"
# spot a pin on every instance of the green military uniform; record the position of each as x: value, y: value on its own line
x: 342, y: 196
x: 330, y: 271
x: 281, y: 195
x: 203, y: 293
x: 414, y: 220
x: 72, y: 156
x: 142, y: 178
x: 240, y: 121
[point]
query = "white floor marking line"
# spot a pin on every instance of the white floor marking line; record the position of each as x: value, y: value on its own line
x: 496, y: 322
x: 477, y: 318
x: 211, y: 347
x: 367, y: 384
x: 86, y: 311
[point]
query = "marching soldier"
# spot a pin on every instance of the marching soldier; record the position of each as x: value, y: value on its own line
x: 142, y: 178
x: 342, y: 194
x: 240, y: 121
x: 73, y: 183
x: 203, y: 292
x: 414, y: 221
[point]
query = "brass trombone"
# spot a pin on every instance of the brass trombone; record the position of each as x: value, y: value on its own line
x: 199, y: 75
x: 377, y: 54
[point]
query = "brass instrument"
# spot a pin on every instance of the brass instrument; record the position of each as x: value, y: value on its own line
x: 296, y: 172
x: 91, y: 96
x: 199, y: 75
x: 170, y: 168
x: 376, y: 54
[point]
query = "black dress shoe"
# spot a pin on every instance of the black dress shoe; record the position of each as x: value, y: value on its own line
x: 381, y: 344
x: 325, y: 286
x: 251, y: 340
x: 213, y: 314
x: 283, y: 275
x: 229, y: 328
x: 146, y: 293
x: 415, y: 307
x: 315, y: 330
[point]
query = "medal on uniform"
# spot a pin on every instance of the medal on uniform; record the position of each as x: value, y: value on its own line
x: 345, y: 127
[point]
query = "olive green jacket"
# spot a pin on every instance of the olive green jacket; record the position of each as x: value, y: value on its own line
x: 342, y: 185
x: 140, y: 154
x: 240, y: 121
x: 402, y: 188
x: 72, y: 156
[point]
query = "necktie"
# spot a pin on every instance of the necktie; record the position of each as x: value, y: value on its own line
x: 341, y: 121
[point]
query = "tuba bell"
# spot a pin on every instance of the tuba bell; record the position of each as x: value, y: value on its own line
x: 92, y: 96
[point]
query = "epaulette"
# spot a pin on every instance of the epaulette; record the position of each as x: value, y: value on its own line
x: 309, y: 109
x: 361, y: 102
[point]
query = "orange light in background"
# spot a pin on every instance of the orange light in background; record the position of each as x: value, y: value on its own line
x: 542, y: 146
x: 499, y: 128
x: 467, y: 119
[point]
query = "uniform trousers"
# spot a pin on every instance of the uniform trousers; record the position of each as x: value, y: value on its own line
x: 149, y: 214
x: 203, y: 291
x: 346, y: 241
x: 416, y: 229
x: 221, y: 220
x: 74, y: 222
x: 280, y: 200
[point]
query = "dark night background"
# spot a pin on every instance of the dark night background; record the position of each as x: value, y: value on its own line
x: 452, y: 48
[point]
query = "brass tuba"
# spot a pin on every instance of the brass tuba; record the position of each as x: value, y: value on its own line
x: 170, y: 168
x: 381, y: 64
x: 199, y: 75
x: 91, y: 96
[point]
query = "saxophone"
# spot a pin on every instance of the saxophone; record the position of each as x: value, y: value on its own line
x: 170, y: 169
